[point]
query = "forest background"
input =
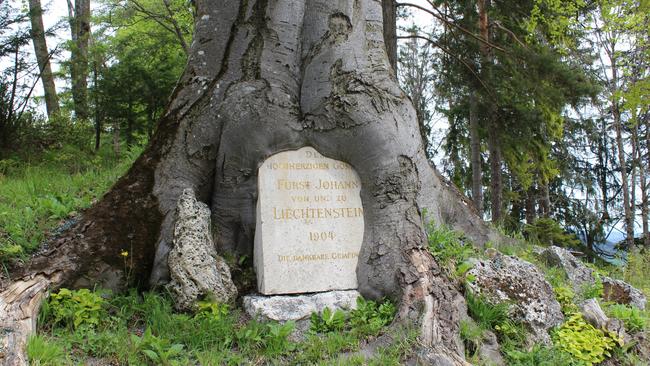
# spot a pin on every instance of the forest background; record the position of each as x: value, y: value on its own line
x: 536, y: 110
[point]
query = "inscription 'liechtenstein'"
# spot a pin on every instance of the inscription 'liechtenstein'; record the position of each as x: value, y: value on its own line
x: 309, y: 224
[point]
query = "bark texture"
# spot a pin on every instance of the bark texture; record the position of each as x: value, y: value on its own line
x: 43, y: 57
x: 264, y: 77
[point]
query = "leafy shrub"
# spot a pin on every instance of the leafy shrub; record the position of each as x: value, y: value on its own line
x: 584, y: 342
x: 370, y: 317
x: 547, y: 231
x: 328, y: 321
x: 212, y: 309
x: 78, y: 309
x: 449, y: 247
x: 593, y: 290
x: 486, y: 314
x: 565, y: 297
x: 634, y: 319
x: 277, y: 338
x: 159, y: 351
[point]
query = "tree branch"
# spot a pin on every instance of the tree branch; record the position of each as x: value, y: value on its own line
x: 445, y: 50
x: 446, y: 21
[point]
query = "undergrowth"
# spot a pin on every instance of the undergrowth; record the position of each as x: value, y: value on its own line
x: 38, y: 195
x: 134, y: 329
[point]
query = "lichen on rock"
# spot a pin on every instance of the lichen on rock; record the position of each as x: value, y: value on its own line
x: 509, y: 279
x: 196, y: 270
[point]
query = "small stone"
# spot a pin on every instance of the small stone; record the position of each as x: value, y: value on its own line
x: 489, y: 350
x: 298, y: 307
x: 196, y: 270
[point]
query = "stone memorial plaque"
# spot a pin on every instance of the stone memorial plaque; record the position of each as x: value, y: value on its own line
x: 309, y: 224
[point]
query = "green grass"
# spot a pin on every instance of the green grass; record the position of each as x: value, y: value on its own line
x: 39, y: 195
x: 143, y: 329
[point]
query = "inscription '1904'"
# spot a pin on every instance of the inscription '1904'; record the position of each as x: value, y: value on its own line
x: 310, y: 224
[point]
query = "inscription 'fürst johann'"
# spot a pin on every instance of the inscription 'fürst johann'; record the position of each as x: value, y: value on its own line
x: 309, y: 224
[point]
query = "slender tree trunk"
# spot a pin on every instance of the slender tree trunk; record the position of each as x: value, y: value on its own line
x: 98, y: 118
x: 645, y: 186
x: 389, y: 11
x: 494, y: 148
x: 280, y: 76
x: 79, y: 15
x: 618, y: 127
x: 545, y: 200
x: 530, y: 205
x: 43, y: 57
x: 116, y: 137
x: 475, y: 146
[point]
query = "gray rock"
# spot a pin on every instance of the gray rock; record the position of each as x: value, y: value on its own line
x: 509, y: 279
x: 196, y: 270
x: 642, y: 346
x: 488, y: 350
x: 578, y: 274
x: 298, y: 307
x: 593, y: 313
x: 623, y: 293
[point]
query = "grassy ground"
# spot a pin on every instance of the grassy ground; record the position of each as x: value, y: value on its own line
x: 38, y: 195
x: 84, y: 327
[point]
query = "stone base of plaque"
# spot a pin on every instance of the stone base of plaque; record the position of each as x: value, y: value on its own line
x: 298, y: 307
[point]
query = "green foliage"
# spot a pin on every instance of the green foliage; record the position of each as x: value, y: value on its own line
x: 546, y: 231
x: 486, y: 314
x: 449, y: 247
x: 635, y: 319
x: 41, y: 352
x: 472, y: 335
x: 539, y: 356
x: 159, y: 351
x: 143, y: 329
x: 327, y: 321
x: 565, y: 296
x: 369, y: 316
x: 585, y: 343
x: 212, y: 309
x: 78, y: 309
x: 593, y: 290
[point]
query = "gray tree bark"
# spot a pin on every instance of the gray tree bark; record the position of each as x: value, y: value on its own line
x: 43, y: 57
x: 264, y: 77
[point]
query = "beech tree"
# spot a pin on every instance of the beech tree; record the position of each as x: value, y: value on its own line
x: 265, y: 77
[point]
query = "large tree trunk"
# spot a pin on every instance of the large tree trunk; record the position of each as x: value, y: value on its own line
x: 264, y: 77
x: 43, y: 57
